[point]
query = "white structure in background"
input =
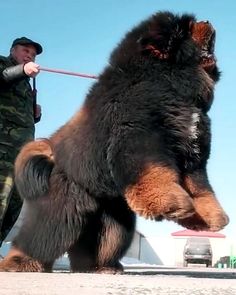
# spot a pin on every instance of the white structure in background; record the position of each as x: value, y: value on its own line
x: 219, y: 244
x: 168, y: 250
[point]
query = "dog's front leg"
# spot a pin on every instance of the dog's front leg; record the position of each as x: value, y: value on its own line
x: 209, y: 213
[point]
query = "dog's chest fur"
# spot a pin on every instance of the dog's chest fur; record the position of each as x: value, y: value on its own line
x: 194, y: 133
x: 187, y: 132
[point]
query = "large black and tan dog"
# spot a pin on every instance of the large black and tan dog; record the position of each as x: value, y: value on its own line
x: 139, y: 144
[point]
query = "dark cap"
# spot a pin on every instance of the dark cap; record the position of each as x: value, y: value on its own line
x: 26, y: 41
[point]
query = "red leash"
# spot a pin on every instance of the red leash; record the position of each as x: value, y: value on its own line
x: 68, y: 73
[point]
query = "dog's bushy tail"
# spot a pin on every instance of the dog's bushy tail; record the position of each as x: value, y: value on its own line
x: 33, y: 167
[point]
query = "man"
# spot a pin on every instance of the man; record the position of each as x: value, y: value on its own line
x: 18, y: 114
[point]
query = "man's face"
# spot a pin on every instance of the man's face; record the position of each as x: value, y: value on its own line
x: 23, y: 53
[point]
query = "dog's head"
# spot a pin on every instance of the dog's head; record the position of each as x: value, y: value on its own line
x: 165, y: 35
x: 169, y: 38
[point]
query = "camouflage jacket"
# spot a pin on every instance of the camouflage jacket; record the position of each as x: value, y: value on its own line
x: 16, y: 104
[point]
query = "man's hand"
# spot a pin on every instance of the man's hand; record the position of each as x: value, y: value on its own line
x: 31, y: 69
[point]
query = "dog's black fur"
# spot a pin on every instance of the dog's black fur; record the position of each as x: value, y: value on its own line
x: 131, y: 138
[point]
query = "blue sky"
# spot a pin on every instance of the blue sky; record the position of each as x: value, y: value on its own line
x: 80, y: 35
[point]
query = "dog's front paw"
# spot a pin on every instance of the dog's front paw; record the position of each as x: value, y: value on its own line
x: 194, y: 222
x: 209, y: 214
x: 171, y: 202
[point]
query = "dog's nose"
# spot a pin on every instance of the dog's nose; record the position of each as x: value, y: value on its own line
x: 206, y: 22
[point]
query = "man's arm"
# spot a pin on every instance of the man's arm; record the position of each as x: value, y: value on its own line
x: 9, y: 74
x: 12, y: 73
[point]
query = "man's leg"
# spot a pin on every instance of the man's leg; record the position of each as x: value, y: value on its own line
x: 12, y: 213
x: 6, y: 189
x: 10, y: 202
x: 12, y: 138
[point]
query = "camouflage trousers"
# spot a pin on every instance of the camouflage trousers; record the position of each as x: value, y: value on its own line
x: 10, y: 201
x: 11, y: 140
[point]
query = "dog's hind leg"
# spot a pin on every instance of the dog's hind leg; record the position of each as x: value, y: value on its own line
x: 105, y: 238
x: 118, y: 226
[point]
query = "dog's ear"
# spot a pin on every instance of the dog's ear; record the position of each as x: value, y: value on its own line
x: 154, y: 42
x: 149, y: 46
x: 156, y: 38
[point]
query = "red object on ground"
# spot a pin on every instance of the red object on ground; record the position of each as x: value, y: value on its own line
x: 192, y: 233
